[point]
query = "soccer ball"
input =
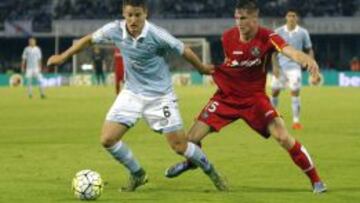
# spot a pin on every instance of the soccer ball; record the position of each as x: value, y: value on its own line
x: 87, y: 185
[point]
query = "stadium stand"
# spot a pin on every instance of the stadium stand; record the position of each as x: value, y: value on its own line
x: 107, y: 9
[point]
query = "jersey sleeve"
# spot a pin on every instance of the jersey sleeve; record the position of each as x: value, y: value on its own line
x: 277, y: 41
x: 104, y: 34
x: 307, y: 40
x: 169, y: 42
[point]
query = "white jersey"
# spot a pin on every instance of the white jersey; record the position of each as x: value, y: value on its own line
x: 32, y: 57
x: 298, y: 38
x: 146, y: 70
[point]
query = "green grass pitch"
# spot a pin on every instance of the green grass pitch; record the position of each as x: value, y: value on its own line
x: 43, y: 143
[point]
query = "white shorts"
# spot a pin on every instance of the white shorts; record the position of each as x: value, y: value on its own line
x: 161, y: 113
x: 34, y: 73
x: 289, y: 78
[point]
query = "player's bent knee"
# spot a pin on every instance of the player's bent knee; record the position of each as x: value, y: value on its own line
x: 179, y: 147
x: 107, y: 141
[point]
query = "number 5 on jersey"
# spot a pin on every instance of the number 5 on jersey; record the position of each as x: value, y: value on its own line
x: 212, y: 107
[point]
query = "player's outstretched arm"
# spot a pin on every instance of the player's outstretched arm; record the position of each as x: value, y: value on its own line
x: 77, y: 47
x: 275, y: 65
x: 303, y: 59
x: 191, y: 57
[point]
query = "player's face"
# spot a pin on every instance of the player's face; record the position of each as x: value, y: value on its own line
x: 32, y: 42
x: 246, y: 20
x: 135, y: 19
x: 291, y: 18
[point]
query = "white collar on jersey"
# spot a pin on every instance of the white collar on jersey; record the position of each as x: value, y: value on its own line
x: 292, y: 31
x: 143, y: 33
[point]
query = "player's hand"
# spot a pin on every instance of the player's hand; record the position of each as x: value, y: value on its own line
x: 207, y: 69
x: 315, y: 80
x: 311, y: 66
x: 55, y: 60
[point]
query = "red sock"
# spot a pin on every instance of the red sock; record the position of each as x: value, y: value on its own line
x: 302, y: 159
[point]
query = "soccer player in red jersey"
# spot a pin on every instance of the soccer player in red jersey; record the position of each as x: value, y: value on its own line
x: 241, y: 93
x: 119, y: 70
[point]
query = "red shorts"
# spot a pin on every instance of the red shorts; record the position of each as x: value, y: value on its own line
x: 256, y: 111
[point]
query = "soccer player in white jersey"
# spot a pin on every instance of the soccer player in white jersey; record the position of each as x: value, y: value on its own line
x: 286, y: 72
x: 147, y: 91
x: 31, y: 63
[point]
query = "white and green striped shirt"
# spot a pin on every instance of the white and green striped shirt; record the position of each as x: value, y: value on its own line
x: 146, y: 71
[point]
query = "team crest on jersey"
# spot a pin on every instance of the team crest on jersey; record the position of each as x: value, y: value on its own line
x: 255, y: 51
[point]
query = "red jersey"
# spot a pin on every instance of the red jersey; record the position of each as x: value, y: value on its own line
x: 244, y: 72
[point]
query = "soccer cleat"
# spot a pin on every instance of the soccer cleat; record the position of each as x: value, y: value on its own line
x: 219, y: 182
x: 297, y: 126
x: 135, y: 180
x: 179, y: 168
x: 319, y: 187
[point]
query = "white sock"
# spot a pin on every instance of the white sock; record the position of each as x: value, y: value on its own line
x: 295, y: 104
x: 197, y: 156
x: 124, y: 155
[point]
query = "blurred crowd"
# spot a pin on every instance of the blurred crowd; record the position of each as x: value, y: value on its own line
x: 106, y: 9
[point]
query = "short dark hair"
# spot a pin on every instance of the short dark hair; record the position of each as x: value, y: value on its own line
x: 136, y: 3
x: 250, y: 5
x: 292, y: 10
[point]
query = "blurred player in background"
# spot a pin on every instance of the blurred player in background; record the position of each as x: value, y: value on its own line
x: 31, y: 65
x: 99, y: 65
x: 241, y: 90
x: 287, y: 72
x: 119, y: 70
x: 147, y: 91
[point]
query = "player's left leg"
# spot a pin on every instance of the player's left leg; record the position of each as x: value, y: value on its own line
x: 298, y: 153
x: 296, y: 106
x: 277, y: 84
x: 294, y: 76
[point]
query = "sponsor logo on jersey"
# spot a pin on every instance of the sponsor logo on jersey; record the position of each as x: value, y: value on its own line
x: 246, y: 63
x: 238, y: 52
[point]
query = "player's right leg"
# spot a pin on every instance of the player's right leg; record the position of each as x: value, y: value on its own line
x: 123, y: 114
x: 193, y: 153
x: 197, y: 132
x: 111, y: 140
x: 39, y: 78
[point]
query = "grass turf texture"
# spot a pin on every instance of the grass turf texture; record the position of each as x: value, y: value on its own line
x: 43, y: 143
